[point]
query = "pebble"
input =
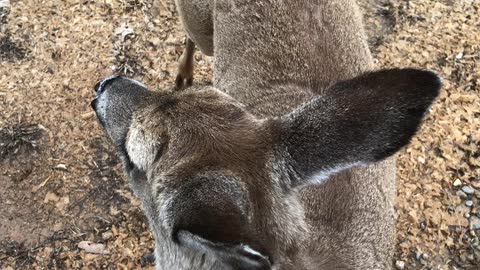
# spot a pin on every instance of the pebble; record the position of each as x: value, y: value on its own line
x: 423, y: 225
x: 400, y: 265
x: 457, y: 183
x: 474, y: 223
x: 107, y: 235
x: 469, y: 203
x: 476, y: 184
x: 4, y: 3
x: 462, y: 194
x: 468, y: 190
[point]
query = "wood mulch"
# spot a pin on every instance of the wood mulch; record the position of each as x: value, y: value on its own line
x: 61, y: 184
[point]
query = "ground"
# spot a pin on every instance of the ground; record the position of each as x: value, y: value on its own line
x: 61, y: 184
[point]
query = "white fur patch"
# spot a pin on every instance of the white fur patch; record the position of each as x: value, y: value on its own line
x: 247, y: 249
x: 137, y: 82
x: 320, y: 177
x: 141, y: 147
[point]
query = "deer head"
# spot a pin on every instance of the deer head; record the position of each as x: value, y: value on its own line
x: 214, y: 179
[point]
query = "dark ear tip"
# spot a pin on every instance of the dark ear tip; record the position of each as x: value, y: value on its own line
x: 435, y: 80
x: 433, y: 84
x: 423, y: 85
x: 429, y: 79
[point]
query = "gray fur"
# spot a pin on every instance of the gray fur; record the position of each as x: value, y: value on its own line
x: 261, y: 171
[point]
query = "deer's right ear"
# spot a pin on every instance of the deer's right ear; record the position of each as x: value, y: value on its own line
x: 362, y: 120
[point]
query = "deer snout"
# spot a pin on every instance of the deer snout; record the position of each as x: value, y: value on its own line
x: 119, y: 85
x: 99, y: 88
x: 116, y: 99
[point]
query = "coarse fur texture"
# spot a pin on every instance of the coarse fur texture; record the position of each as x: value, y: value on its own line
x: 228, y: 174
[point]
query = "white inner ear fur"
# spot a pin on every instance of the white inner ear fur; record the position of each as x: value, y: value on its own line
x: 322, y: 176
x: 247, y: 249
x: 198, y: 243
x: 141, y: 147
x: 137, y: 83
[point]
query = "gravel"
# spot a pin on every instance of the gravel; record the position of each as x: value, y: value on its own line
x: 400, y: 265
x: 469, y: 203
x: 474, y: 223
x: 457, y: 183
x: 462, y: 194
x: 468, y: 190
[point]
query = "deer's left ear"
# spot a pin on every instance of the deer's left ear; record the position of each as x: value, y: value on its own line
x: 233, y: 256
x: 210, y: 216
x: 365, y: 119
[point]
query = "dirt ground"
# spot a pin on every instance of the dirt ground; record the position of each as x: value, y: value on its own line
x: 61, y: 184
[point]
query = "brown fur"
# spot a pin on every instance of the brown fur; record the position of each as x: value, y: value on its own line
x: 310, y: 45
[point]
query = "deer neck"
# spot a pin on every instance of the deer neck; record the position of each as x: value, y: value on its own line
x: 261, y: 45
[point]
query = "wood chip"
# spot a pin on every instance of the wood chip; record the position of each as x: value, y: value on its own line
x: 93, y: 248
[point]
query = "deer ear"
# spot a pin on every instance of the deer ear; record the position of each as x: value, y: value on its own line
x: 233, y: 256
x: 362, y: 120
x: 209, y: 214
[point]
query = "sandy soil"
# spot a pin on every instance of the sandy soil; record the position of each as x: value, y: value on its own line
x: 60, y: 182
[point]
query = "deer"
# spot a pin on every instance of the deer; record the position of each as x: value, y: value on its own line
x: 286, y: 161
